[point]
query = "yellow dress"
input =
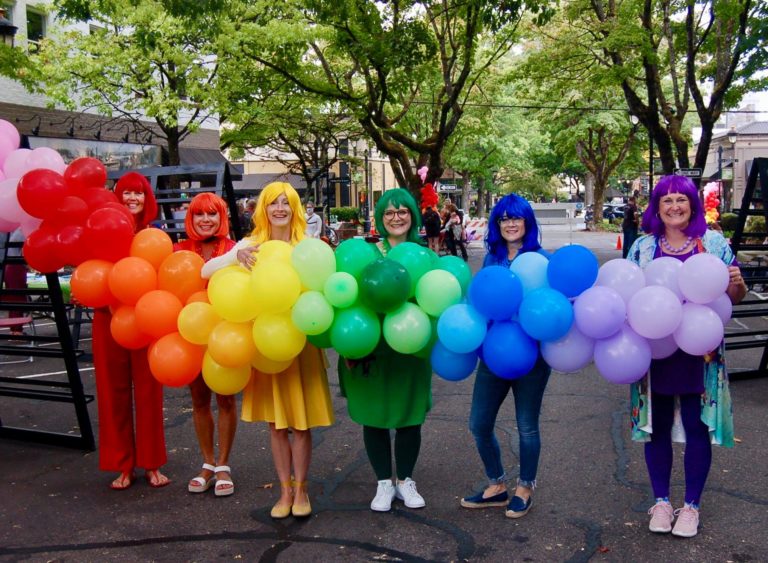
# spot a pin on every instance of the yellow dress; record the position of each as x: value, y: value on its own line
x: 295, y: 398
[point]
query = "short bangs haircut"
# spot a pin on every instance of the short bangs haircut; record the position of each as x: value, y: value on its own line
x: 511, y: 205
x: 398, y: 197
x: 207, y: 203
x: 653, y: 224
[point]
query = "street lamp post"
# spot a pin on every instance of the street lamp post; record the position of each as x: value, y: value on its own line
x: 727, y: 194
x: 635, y: 120
x: 7, y: 29
x: 367, y: 206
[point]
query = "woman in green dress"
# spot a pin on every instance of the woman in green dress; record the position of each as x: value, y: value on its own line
x: 388, y: 390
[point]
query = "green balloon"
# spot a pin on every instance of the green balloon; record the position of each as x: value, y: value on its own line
x: 355, y: 332
x: 426, y: 352
x: 341, y: 289
x: 321, y: 340
x: 415, y: 258
x: 314, y: 261
x: 353, y: 255
x: 407, y: 329
x: 436, y: 291
x: 312, y: 314
x: 458, y: 268
x: 384, y: 285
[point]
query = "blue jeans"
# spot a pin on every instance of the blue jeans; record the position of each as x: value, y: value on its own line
x: 488, y: 395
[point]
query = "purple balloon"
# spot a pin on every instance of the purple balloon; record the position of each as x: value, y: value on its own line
x: 723, y: 307
x: 663, y: 347
x: 624, y: 357
x: 599, y: 312
x: 654, y: 312
x: 700, y: 330
x: 664, y: 271
x: 703, y: 278
x: 624, y: 277
x: 571, y: 353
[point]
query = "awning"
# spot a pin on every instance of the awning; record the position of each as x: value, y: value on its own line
x: 254, y: 183
x: 716, y: 174
x: 207, y: 156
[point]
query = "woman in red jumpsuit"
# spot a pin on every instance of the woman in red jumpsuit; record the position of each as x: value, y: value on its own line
x: 124, y: 384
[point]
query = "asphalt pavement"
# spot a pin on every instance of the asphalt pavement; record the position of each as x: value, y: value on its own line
x: 590, y: 504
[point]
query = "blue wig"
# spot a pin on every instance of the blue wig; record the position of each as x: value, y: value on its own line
x: 653, y: 224
x: 511, y: 205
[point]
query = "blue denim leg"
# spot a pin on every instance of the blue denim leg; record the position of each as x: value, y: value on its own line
x: 488, y: 395
x: 528, y: 392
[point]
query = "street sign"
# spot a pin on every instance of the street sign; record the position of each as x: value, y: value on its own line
x: 688, y: 172
x: 342, y: 181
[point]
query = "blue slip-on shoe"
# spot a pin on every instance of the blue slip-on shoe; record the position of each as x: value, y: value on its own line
x: 477, y: 501
x: 518, y: 508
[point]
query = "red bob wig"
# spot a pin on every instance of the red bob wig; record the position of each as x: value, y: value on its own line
x: 207, y: 203
x: 135, y: 182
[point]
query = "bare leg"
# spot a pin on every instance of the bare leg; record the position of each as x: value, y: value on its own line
x: 281, y: 456
x: 302, y: 455
x: 203, y: 421
x: 227, y: 427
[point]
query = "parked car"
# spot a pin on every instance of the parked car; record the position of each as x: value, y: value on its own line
x: 610, y: 211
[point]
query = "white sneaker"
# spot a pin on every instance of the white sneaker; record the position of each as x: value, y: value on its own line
x: 385, y: 493
x: 406, y: 491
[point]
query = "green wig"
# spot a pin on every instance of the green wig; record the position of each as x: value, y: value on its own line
x: 398, y: 197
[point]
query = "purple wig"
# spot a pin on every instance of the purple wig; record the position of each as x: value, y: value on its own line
x: 652, y: 223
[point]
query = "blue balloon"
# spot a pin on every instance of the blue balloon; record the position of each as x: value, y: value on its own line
x: 461, y: 328
x: 531, y: 268
x: 572, y: 269
x: 450, y: 365
x: 546, y: 314
x: 496, y: 292
x: 508, y: 351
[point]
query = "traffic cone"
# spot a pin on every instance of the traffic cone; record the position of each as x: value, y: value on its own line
x: 618, y: 242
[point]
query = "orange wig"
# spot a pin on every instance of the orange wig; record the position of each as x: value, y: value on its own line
x: 207, y: 203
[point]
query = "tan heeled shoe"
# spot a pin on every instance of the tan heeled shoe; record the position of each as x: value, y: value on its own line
x: 303, y: 509
x: 280, y: 511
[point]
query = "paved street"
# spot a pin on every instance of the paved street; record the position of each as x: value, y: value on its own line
x: 590, y: 505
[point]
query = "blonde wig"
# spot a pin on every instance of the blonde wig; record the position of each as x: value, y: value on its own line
x: 262, y: 229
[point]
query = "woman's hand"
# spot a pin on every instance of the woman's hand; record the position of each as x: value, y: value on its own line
x: 246, y: 256
x: 737, y: 288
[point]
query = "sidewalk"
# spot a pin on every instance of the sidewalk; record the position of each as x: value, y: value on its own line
x: 590, y: 504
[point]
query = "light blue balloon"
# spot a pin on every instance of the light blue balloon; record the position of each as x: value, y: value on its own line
x: 507, y: 351
x: 531, y: 270
x: 450, y: 365
x: 461, y: 328
x: 546, y: 314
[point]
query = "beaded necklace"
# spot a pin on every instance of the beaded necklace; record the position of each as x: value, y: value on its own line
x: 672, y: 249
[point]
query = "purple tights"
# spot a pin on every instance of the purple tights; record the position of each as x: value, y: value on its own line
x: 698, y: 450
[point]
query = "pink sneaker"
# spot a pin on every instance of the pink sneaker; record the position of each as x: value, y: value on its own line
x: 661, y: 517
x: 687, y: 524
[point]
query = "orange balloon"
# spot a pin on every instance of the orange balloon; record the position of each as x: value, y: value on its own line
x: 130, y: 278
x: 90, y: 283
x: 174, y: 361
x: 125, y: 331
x: 231, y: 344
x: 179, y: 273
x: 153, y: 245
x: 201, y: 296
x: 157, y: 313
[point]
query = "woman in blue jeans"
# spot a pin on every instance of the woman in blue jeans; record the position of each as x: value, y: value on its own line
x: 512, y: 231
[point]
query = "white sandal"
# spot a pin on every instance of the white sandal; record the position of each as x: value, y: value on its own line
x: 200, y: 484
x: 224, y: 487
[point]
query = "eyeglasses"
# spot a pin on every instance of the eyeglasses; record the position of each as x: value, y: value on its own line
x: 401, y: 213
x: 510, y: 220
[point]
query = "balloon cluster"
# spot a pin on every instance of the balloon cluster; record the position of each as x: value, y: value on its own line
x: 510, y: 311
x: 632, y: 316
x: 712, y: 201
x: 146, y: 292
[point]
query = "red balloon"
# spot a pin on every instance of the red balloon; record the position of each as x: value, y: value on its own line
x: 96, y: 198
x: 71, y: 241
x: 72, y: 211
x: 122, y: 209
x: 84, y: 173
x: 41, y: 252
x: 108, y: 235
x: 40, y: 191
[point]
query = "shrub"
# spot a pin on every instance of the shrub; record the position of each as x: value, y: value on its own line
x: 728, y: 221
x: 346, y: 214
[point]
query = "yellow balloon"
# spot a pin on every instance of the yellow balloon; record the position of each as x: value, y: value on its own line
x: 276, y: 337
x: 275, y: 285
x: 231, y: 296
x: 231, y: 344
x: 265, y: 365
x: 224, y: 380
x: 196, y: 321
x: 275, y: 250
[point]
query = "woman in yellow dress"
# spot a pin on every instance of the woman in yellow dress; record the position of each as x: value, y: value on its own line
x: 297, y: 399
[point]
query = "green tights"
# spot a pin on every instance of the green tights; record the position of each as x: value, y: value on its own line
x: 379, y: 449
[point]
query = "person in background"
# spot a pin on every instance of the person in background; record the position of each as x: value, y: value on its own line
x: 15, y: 277
x: 682, y: 387
x: 388, y: 390
x: 207, y: 228
x: 125, y: 387
x: 455, y: 235
x: 629, y: 225
x: 431, y: 221
x: 314, y: 222
x: 512, y: 231
x: 297, y: 399
x: 246, y: 216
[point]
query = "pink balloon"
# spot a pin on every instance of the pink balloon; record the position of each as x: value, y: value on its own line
x: 7, y: 226
x: 30, y: 225
x: 663, y: 347
x: 15, y: 165
x: 703, y: 278
x: 10, y: 210
x: 624, y: 277
x: 2, y: 175
x: 624, y: 357
x: 571, y: 353
x: 664, y: 271
x: 599, y: 312
x: 723, y: 307
x: 654, y: 312
x: 9, y: 132
x: 6, y: 148
x: 45, y: 157
x: 700, y: 330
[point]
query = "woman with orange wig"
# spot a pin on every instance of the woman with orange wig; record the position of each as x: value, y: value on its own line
x: 207, y: 228
x: 296, y: 399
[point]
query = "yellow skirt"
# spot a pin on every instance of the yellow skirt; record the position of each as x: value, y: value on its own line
x: 295, y: 398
